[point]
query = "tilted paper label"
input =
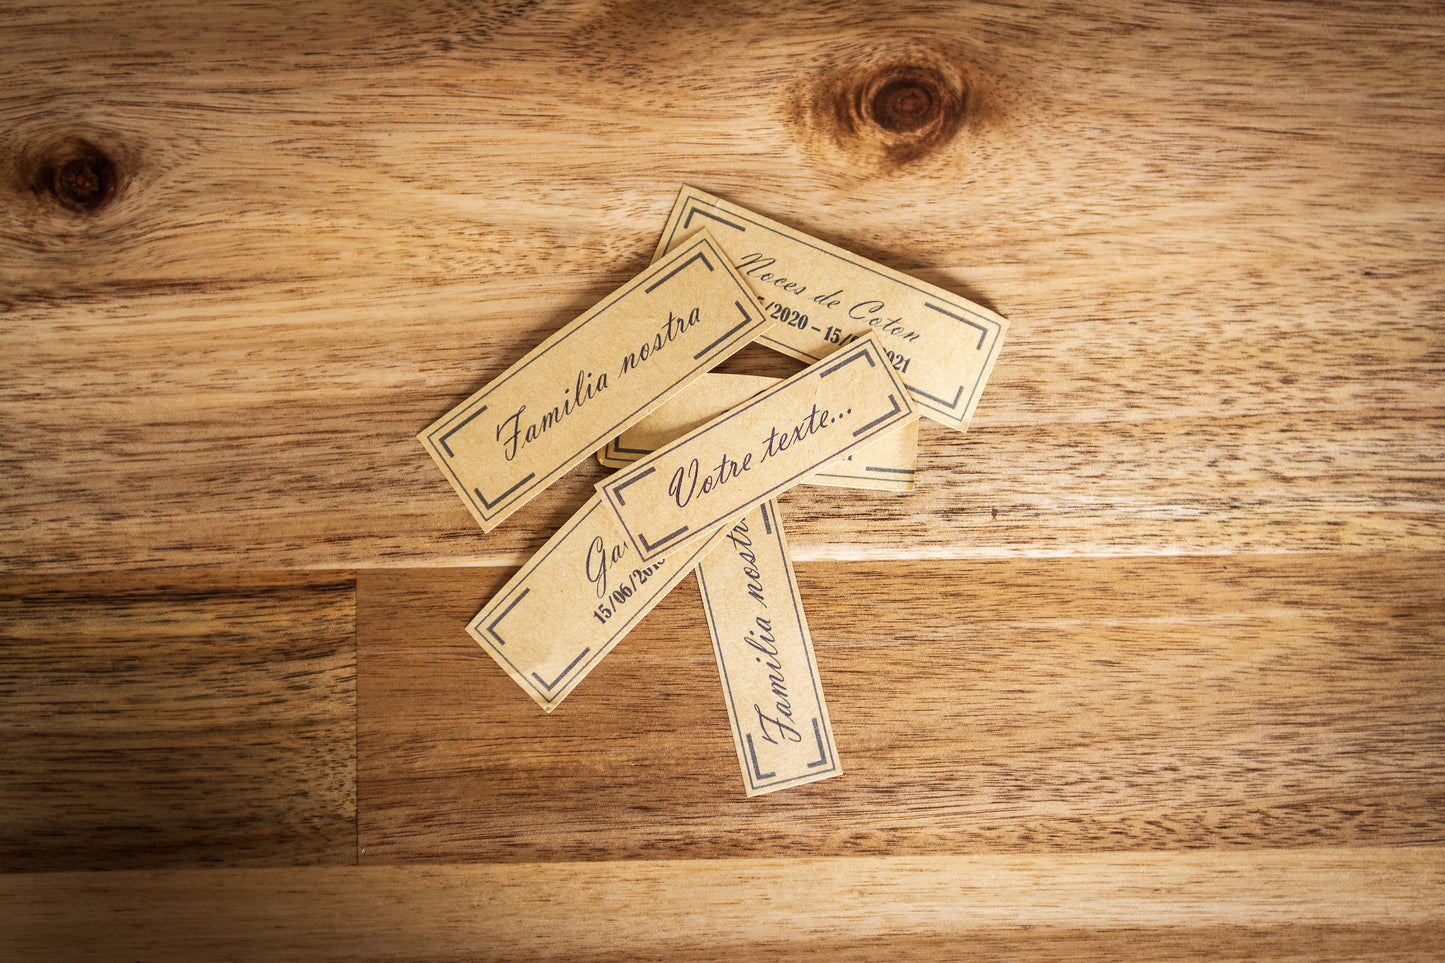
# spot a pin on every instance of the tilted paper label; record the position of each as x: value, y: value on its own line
x: 887, y: 464
x: 710, y: 477
x: 573, y: 601
x: 823, y: 296
x: 594, y: 378
x: 765, y: 657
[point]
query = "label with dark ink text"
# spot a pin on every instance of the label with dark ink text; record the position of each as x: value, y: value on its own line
x: 822, y: 298
x: 765, y: 657
x: 593, y: 379
x: 572, y: 602
x: 710, y: 477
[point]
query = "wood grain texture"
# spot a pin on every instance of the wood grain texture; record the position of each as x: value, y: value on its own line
x: 1217, y: 232
x: 1148, y: 667
x: 979, y: 707
x: 197, y: 720
x: 1301, y: 905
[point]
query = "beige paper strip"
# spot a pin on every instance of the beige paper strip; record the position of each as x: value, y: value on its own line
x: 712, y: 476
x: 689, y: 409
x: 765, y: 657
x: 885, y: 465
x: 593, y: 378
x: 573, y: 601
x: 823, y: 297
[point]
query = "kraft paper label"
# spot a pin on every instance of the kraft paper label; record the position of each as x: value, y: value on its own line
x: 592, y: 379
x: 823, y: 297
x: 573, y: 601
x: 765, y: 657
x: 885, y: 465
x: 710, y: 477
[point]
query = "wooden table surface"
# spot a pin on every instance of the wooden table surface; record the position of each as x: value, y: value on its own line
x: 1148, y: 667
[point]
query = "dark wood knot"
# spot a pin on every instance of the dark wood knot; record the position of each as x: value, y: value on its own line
x: 892, y: 112
x: 76, y: 175
x: 908, y: 110
x: 906, y: 104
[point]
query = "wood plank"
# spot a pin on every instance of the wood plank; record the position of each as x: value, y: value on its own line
x: 1224, y: 292
x: 1027, y: 705
x: 177, y: 721
x: 1349, y: 904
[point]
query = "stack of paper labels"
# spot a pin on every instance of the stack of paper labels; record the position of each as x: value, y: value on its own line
x: 703, y: 456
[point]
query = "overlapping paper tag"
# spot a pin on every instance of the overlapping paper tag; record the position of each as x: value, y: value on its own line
x: 592, y: 379
x: 887, y: 464
x: 689, y: 489
x: 572, y: 602
x: 822, y: 297
x: 765, y: 657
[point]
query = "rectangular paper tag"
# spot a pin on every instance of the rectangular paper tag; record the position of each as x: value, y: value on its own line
x: 590, y: 380
x: 765, y: 657
x: 822, y: 296
x: 884, y: 465
x: 573, y: 601
x: 710, y: 477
